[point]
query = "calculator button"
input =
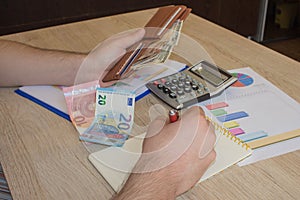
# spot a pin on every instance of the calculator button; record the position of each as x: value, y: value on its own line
x: 174, y: 88
x: 166, y: 90
x: 160, y: 86
x: 180, y: 92
x: 155, y: 82
x: 187, y: 89
x: 163, y: 80
x: 195, y: 87
x: 174, y: 81
x: 180, y: 85
x: 182, y: 79
x: 167, y: 83
x: 172, y: 95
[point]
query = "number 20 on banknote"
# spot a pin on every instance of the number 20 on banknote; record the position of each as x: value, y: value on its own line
x: 116, y: 108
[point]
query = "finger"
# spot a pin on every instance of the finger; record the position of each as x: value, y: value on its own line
x: 105, y: 84
x: 171, y: 140
x: 156, y: 126
x: 126, y: 39
x: 206, y: 137
x: 185, y: 129
x: 208, y: 142
x: 200, y: 130
x: 123, y: 34
x: 157, y: 114
x: 156, y: 111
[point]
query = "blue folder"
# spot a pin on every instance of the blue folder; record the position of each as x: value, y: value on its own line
x: 57, y: 111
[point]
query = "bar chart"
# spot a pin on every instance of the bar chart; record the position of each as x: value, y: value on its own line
x: 231, y: 122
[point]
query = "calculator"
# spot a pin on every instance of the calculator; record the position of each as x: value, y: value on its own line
x: 191, y: 86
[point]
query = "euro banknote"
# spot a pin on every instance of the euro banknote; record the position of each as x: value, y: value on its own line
x: 160, y: 50
x: 80, y: 101
x: 114, y: 115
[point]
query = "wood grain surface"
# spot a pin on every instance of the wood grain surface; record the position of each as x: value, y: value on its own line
x: 43, y: 159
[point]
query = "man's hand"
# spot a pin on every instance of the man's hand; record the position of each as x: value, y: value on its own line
x: 174, y: 158
x: 105, y: 55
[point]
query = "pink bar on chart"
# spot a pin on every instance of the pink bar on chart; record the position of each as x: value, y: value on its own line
x: 236, y: 131
x: 216, y: 105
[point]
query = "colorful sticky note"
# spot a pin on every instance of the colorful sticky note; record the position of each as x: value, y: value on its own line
x: 232, y: 116
x: 219, y: 112
x: 216, y: 105
x: 252, y: 136
x: 236, y: 131
x: 231, y: 124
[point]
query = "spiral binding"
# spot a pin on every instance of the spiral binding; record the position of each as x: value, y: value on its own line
x: 228, y: 134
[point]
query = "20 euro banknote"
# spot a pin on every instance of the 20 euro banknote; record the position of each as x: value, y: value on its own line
x: 114, y: 117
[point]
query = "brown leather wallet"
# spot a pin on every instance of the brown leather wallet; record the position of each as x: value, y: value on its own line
x: 162, y: 20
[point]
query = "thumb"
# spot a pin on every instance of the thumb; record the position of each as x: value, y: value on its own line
x: 157, y: 114
x: 156, y: 126
x: 127, y: 39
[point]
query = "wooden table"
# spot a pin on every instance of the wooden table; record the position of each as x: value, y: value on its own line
x: 43, y: 158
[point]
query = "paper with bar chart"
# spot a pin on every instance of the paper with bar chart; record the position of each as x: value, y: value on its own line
x: 258, y: 113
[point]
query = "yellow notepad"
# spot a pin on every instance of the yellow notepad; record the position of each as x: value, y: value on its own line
x: 114, y: 163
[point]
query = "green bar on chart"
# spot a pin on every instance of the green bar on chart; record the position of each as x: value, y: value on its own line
x: 219, y: 112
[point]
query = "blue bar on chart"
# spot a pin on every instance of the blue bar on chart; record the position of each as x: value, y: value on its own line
x: 252, y: 136
x: 232, y: 116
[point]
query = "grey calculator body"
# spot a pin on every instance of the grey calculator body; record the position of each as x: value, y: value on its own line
x: 193, y: 85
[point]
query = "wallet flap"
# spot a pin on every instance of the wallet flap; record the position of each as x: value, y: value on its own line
x: 123, y: 64
x: 162, y: 20
x: 185, y: 14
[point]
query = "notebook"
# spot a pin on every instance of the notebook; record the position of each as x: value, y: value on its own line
x: 115, y: 163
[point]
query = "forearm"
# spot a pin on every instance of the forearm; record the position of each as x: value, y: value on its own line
x: 25, y: 65
x: 151, y: 185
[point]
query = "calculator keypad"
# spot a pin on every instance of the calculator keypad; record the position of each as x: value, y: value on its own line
x: 178, y: 89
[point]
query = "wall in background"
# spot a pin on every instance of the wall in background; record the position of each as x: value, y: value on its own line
x: 240, y: 16
x: 15, y: 16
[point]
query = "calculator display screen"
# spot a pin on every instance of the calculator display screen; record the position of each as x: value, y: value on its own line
x: 210, y: 73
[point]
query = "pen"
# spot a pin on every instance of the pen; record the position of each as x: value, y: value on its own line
x: 173, y: 115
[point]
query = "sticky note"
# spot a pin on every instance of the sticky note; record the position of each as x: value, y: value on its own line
x: 216, y: 105
x: 232, y: 116
x: 219, y: 112
x: 236, y: 131
x: 231, y: 124
x: 252, y: 136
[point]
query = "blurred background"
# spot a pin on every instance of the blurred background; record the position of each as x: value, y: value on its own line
x: 273, y: 23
